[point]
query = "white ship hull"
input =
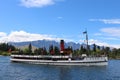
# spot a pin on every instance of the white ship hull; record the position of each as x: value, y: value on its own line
x: 87, y: 61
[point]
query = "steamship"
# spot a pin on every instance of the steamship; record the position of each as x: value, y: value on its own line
x: 65, y: 58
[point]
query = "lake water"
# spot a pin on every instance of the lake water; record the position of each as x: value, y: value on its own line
x: 21, y: 71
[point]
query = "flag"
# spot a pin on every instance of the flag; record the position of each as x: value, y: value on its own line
x: 85, y: 32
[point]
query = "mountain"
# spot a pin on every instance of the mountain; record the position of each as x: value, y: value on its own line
x: 45, y: 43
x: 26, y: 46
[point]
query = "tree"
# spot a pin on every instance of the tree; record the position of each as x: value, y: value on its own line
x: 30, y: 48
x: 83, y: 50
x: 102, y: 51
x: 118, y: 52
x: 98, y: 47
x: 98, y: 51
x: 40, y: 51
x: 113, y: 54
x: 107, y: 50
x: 3, y: 47
x: 26, y: 51
x: 94, y: 47
x: 44, y: 51
x: 51, y: 50
x: 6, y: 47
x: 36, y: 51
x: 56, y: 50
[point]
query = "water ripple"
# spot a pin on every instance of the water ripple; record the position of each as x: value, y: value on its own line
x: 20, y: 71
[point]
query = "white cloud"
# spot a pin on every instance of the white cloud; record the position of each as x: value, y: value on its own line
x: 98, y: 34
x: 21, y: 36
x: 110, y: 21
x: 107, y: 21
x: 110, y: 38
x: 37, y: 3
x: 115, y: 46
x: 2, y: 34
x: 101, y: 43
x: 93, y: 19
x: 109, y: 33
x: 93, y: 41
x: 112, y: 31
x: 59, y: 17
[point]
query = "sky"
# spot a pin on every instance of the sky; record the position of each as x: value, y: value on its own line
x: 29, y: 20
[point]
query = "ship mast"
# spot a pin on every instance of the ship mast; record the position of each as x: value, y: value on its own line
x: 85, y: 32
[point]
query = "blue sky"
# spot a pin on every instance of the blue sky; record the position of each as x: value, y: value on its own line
x: 27, y: 20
